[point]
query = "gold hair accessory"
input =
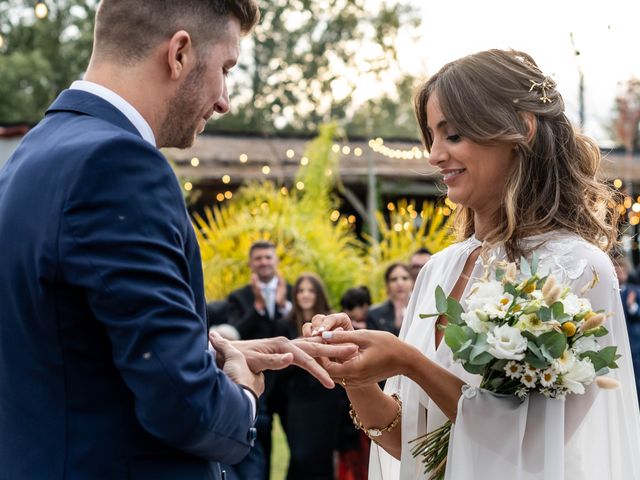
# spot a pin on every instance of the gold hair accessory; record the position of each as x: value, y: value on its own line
x: 546, y: 84
x: 373, y: 433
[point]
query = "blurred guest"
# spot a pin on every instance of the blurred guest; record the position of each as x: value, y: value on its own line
x: 418, y: 260
x: 217, y: 313
x: 257, y: 310
x: 226, y: 331
x: 388, y: 315
x: 314, y: 414
x: 254, y: 308
x: 630, y: 295
x: 355, y: 302
x: 353, y: 457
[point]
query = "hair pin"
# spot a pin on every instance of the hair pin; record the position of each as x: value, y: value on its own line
x: 543, y: 86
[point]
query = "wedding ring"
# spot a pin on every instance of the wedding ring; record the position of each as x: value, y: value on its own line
x: 344, y: 383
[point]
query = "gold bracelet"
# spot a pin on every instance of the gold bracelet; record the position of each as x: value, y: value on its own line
x: 373, y: 433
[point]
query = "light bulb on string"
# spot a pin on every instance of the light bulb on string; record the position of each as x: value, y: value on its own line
x: 41, y: 10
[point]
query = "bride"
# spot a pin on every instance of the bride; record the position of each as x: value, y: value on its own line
x: 525, y: 181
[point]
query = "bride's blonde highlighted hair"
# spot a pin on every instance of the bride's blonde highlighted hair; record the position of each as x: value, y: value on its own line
x: 497, y: 96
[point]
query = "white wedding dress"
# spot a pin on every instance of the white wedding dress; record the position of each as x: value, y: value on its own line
x: 595, y: 436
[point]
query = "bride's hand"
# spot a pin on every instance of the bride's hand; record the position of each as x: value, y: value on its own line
x: 326, y: 323
x: 381, y: 355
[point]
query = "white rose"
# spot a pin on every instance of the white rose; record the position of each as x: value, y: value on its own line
x: 565, y: 362
x: 580, y: 374
x: 573, y: 304
x: 474, y: 323
x: 506, y: 342
x: 532, y: 323
x: 485, y: 293
x: 586, y: 344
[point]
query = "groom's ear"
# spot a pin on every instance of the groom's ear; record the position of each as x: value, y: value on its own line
x: 180, y: 54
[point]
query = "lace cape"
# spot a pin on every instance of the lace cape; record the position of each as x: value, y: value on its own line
x: 584, y: 437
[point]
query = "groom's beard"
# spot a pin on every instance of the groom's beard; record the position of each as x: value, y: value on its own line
x: 184, y: 112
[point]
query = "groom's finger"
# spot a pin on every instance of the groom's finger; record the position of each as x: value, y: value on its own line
x: 316, y: 349
x: 259, y: 361
x: 306, y: 362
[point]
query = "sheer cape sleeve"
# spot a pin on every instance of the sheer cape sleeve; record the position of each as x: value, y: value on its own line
x: 587, y: 437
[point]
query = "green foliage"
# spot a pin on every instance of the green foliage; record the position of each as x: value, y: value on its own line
x: 406, y: 230
x: 299, y: 223
x: 307, y: 58
x: 41, y: 57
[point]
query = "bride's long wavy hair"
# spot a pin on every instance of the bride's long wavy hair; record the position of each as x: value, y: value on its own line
x: 488, y: 97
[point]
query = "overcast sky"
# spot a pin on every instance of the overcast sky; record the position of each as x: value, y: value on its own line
x: 607, y: 33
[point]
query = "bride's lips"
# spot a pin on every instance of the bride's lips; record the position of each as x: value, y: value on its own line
x: 449, y: 175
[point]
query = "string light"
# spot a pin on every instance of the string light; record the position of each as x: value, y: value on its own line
x: 226, y: 179
x: 284, y: 191
x: 304, y: 161
x: 346, y: 150
x: 335, y: 215
x: 335, y: 148
x: 300, y: 185
x: 290, y: 153
x: 357, y: 152
x: 188, y: 186
x: 228, y: 195
x: 266, y: 169
x: 41, y: 10
x: 220, y: 197
x: 195, y: 161
x: 617, y: 183
x: 244, y: 158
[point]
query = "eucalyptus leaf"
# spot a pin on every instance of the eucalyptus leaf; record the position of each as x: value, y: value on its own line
x: 600, y: 331
x: 475, y: 369
x: 454, y: 337
x: 496, y: 382
x: 555, y: 343
x: 454, y: 310
x: 545, y: 314
x: 557, y: 310
x: 534, y: 263
x: 534, y: 361
x: 441, y: 300
x: 479, y: 356
x: 524, y: 267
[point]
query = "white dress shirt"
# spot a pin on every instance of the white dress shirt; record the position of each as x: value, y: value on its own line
x: 121, y: 104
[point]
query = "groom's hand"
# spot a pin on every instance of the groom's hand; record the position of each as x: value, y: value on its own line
x: 234, y: 364
x: 280, y: 352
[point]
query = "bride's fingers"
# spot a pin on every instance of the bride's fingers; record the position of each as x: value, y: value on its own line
x: 307, y: 328
x: 322, y: 323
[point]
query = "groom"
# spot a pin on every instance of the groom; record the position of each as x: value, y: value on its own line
x: 104, y: 368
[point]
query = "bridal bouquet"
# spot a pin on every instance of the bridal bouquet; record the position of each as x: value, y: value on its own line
x: 524, y: 334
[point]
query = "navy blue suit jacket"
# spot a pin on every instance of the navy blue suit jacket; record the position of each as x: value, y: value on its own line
x: 104, y: 369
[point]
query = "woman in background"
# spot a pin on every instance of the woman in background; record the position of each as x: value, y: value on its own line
x: 388, y: 315
x: 314, y: 417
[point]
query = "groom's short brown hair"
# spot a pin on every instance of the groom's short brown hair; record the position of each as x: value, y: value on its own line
x: 126, y: 31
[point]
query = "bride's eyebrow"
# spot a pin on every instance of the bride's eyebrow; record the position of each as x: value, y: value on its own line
x: 441, y: 124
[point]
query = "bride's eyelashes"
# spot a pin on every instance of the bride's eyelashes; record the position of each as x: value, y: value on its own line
x: 454, y: 138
